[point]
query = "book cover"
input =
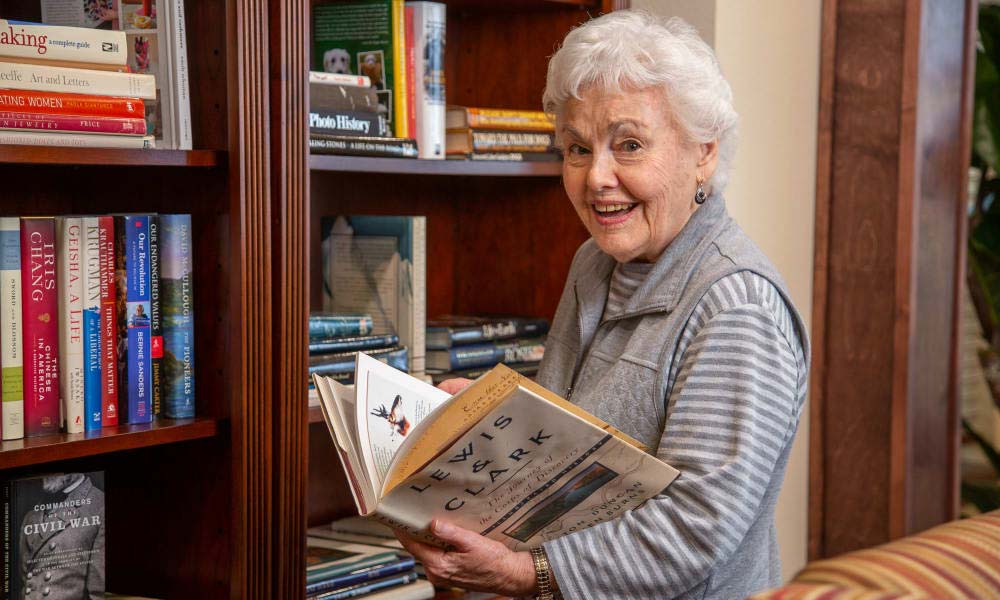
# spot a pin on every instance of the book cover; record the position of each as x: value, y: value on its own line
x: 377, y: 265
x: 44, y: 78
x: 155, y: 318
x: 326, y: 78
x: 69, y: 246
x: 109, y: 323
x: 67, y: 64
x: 322, y: 582
x: 505, y: 457
x: 11, y: 356
x: 335, y: 96
x: 326, y: 559
x: 362, y: 146
x: 93, y: 403
x: 75, y: 140
x: 465, y: 141
x: 137, y: 295
x: 121, y: 316
x: 40, y: 318
x: 429, y: 25
x: 464, y: 117
x: 21, y: 38
x: 324, y: 326
x: 401, y: 127
x: 341, y: 46
x: 347, y: 123
x: 74, y: 123
x: 456, y: 330
x: 54, y: 536
x: 177, y: 308
x: 23, y: 101
x: 364, y: 588
x: 411, y: 105
x: 352, y: 343
x: 487, y: 354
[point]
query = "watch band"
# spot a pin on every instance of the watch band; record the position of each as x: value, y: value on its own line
x: 543, y: 574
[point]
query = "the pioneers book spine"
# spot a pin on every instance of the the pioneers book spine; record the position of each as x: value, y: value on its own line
x: 69, y: 243
x: 137, y: 307
x: 22, y: 101
x: 177, y: 296
x: 76, y: 81
x: 92, y: 356
x: 155, y: 318
x: 429, y: 20
x: 50, y: 122
x: 12, y: 390
x: 19, y: 38
x: 109, y: 324
x: 41, y: 327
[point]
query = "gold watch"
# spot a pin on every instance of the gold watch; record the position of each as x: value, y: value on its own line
x: 543, y: 574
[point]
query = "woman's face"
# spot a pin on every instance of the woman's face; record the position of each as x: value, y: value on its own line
x: 630, y: 171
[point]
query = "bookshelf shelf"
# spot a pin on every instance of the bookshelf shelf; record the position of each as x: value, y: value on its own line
x: 36, y: 450
x: 410, y: 166
x: 46, y: 155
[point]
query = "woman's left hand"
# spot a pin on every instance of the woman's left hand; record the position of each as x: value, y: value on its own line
x: 473, y: 562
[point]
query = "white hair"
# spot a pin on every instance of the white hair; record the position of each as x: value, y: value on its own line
x: 635, y: 49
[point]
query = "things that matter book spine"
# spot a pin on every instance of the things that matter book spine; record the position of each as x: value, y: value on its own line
x: 138, y: 311
x: 41, y: 329
x: 11, y: 357
x: 92, y: 379
x: 109, y: 324
x: 69, y: 242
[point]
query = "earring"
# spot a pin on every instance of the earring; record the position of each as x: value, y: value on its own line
x: 700, y: 196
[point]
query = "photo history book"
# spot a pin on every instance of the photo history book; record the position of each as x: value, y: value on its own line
x: 504, y: 457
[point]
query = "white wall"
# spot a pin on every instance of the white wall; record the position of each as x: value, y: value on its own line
x: 769, y: 51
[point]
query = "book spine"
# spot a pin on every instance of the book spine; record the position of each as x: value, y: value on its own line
x: 67, y: 64
x: 516, y: 156
x: 364, y: 589
x: 21, y: 101
x: 109, y: 324
x: 75, y: 140
x: 9, y: 542
x: 429, y: 26
x: 321, y: 328
x: 138, y: 310
x: 353, y: 344
x: 181, y: 84
x: 92, y: 357
x: 523, y: 120
x: 83, y: 44
x: 391, y: 147
x: 418, y: 339
x: 69, y: 242
x: 399, y: 119
x: 121, y: 316
x: 352, y: 579
x: 76, y: 81
x: 333, y: 97
x: 511, y: 141
x: 155, y: 318
x: 324, y: 78
x: 41, y: 328
x: 480, y: 355
x: 347, y: 123
x: 177, y: 285
x: 12, y: 389
x: 411, y: 72
x: 78, y: 123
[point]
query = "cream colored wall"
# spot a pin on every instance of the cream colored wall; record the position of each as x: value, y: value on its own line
x: 769, y: 51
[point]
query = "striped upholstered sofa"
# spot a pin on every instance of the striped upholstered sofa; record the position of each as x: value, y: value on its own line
x: 960, y: 559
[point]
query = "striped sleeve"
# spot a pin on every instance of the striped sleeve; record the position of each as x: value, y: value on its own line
x: 731, y: 412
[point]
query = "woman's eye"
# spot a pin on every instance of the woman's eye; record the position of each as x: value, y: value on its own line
x: 578, y: 149
x: 630, y: 146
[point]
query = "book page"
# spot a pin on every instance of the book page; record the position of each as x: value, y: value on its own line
x: 337, y: 405
x: 390, y: 404
x: 363, y: 276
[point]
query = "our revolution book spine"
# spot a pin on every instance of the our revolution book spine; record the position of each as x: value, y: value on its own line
x: 75, y: 140
x: 12, y: 389
x: 21, y: 38
x: 92, y: 380
x: 69, y: 242
x: 27, y: 121
x: 138, y: 310
x: 76, y: 81
x: 177, y: 310
x: 109, y: 324
x: 25, y: 101
x: 41, y: 328
x: 155, y: 318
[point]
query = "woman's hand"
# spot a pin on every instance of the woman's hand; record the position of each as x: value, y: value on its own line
x: 454, y: 386
x: 473, y: 563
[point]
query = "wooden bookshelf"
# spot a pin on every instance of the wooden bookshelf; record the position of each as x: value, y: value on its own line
x: 409, y: 166
x: 45, y: 155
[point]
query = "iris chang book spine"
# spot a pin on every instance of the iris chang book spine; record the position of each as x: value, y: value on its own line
x: 41, y: 325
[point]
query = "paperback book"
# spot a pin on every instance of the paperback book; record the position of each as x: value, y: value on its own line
x: 505, y: 457
x: 11, y: 356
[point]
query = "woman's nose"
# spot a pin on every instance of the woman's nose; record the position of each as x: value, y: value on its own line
x: 602, y: 174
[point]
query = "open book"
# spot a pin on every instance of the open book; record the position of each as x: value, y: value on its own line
x: 505, y: 457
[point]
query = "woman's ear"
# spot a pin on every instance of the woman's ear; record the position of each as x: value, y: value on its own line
x: 708, y: 158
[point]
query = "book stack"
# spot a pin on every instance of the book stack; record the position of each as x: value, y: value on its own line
x: 398, y: 57
x: 96, y: 322
x: 500, y: 134
x: 70, y: 86
x: 337, y: 569
x: 469, y: 346
x: 335, y: 340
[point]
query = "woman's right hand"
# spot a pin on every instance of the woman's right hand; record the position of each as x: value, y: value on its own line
x: 454, y: 386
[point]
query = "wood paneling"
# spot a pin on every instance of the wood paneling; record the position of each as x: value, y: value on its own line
x: 890, y: 176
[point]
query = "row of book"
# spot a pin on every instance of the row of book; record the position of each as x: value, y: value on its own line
x: 382, y: 91
x: 96, y: 322
x: 335, y: 340
x: 103, y: 73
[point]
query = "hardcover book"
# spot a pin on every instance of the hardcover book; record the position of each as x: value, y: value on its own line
x: 362, y: 146
x: 487, y: 354
x: 109, y: 324
x: 137, y: 309
x: 429, y: 24
x: 352, y: 344
x: 505, y: 457
x: 11, y: 356
x: 335, y: 96
x: 44, y: 78
x: 78, y: 44
x: 343, y: 362
x: 463, y: 117
x: 451, y: 330
x: 24, y: 101
x: 347, y: 123
x: 54, y: 536
x: 155, y: 318
x: 177, y: 309
x: 93, y: 402
x: 19, y: 121
x: 323, y: 326
x: 75, y: 140
x: 465, y: 141
x: 69, y: 244
x: 40, y: 318
x: 377, y: 265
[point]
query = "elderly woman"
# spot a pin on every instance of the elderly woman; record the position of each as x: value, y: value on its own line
x: 673, y: 327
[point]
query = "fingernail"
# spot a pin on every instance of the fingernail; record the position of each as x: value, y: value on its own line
x: 439, y: 527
